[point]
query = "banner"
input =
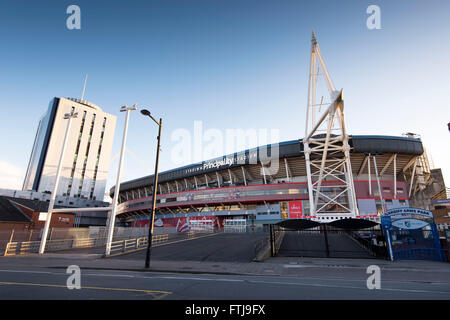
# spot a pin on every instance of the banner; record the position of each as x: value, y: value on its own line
x: 408, y: 212
x: 295, y: 210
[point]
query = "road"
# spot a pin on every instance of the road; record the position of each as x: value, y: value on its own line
x: 217, y: 267
x: 46, y: 283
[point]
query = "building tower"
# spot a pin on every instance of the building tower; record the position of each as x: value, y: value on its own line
x: 87, y: 157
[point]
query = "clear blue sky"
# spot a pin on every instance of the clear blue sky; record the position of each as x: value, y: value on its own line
x: 231, y: 64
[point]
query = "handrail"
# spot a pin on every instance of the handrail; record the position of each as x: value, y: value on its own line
x: 127, y: 245
x: 25, y: 247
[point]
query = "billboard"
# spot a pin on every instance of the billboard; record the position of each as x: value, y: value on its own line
x: 295, y: 210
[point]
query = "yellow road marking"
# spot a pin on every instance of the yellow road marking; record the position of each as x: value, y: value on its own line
x: 154, y: 293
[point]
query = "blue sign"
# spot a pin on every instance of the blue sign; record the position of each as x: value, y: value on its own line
x: 386, y: 222
x: 409, y: 212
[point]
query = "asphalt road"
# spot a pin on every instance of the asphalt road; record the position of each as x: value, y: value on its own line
x: 46, y: 283
x: 21, y: 278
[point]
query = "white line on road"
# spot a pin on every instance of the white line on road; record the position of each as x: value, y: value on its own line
x: 108, y: 275
x: 197, y: 279
x: 26, y: 271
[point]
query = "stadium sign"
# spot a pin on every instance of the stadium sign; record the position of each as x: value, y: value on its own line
x: 398, y: 213
x: 219, y: 163
x: 410, y: 224
x: 407, y: 219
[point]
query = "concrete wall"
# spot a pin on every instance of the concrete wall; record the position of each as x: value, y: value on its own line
x: 422, y: 199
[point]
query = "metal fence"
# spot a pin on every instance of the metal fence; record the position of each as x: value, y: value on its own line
x: 329, y: 242
x: 119, y: 245
x: 422, y: 254
x: 128, y: 245
x: 14, y: 242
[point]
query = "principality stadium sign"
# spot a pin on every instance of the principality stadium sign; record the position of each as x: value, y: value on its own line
x: 218, y: 163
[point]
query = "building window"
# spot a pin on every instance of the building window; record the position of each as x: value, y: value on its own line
x: 77, y: 149
x: 91, y: 195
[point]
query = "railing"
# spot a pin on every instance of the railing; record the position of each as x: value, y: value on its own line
x: 262, y: 247
x: 127, y: 245
x: 422, y: 254
x: 25, y: 247
x: 374, y: 250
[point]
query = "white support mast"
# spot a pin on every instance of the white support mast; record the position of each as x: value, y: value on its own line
x: 327, y: 152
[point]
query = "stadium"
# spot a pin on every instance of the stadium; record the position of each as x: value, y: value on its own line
x: 329, y: 194
x: 328, y: 176
x: 243, y: 188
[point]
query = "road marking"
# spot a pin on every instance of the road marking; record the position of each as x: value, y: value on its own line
x: 154, y: 293
x: 107, y: 275
x: 26, y: 271
x: 198, y: 279
x: 347, y: 287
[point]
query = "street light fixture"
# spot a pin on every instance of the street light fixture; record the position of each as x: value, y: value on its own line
x: 155, y: 188
x: 112, y: 217
x: 69, y: 116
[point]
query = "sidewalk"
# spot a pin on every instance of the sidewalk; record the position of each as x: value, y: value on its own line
x: 426, y: 271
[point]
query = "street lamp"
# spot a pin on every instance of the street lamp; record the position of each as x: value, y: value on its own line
x: 155, y: 187
x: 112, y: 217
x: 69, y: 116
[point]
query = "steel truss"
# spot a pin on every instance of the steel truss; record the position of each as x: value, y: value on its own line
x: 326, y: 148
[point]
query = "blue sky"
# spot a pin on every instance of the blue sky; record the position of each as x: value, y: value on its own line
x: 230, y: 64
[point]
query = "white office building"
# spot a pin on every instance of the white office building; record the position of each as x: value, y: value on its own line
x: 87, y: 156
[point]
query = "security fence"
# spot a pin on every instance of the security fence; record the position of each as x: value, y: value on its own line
x: 330, y: 242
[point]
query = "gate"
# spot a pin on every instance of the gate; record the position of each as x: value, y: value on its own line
x: 412, y: 235
x: 415, y: 245
x: 325, y: 241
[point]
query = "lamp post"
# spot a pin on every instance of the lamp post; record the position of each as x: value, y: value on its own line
x: 155, y: 187
x: 112, y: 216
x: 69, y: 116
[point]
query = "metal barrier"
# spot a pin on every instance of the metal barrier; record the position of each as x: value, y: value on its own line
x: 422, y: 254
x: 126, y: 245
x: 25, y: 247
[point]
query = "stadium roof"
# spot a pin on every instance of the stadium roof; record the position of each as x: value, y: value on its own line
x: 364, y: 144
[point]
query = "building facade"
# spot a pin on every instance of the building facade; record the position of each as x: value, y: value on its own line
x: 245, y: 186
x: 87, y: 157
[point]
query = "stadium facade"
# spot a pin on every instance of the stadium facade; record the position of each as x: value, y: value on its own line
x: 260, y: 186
